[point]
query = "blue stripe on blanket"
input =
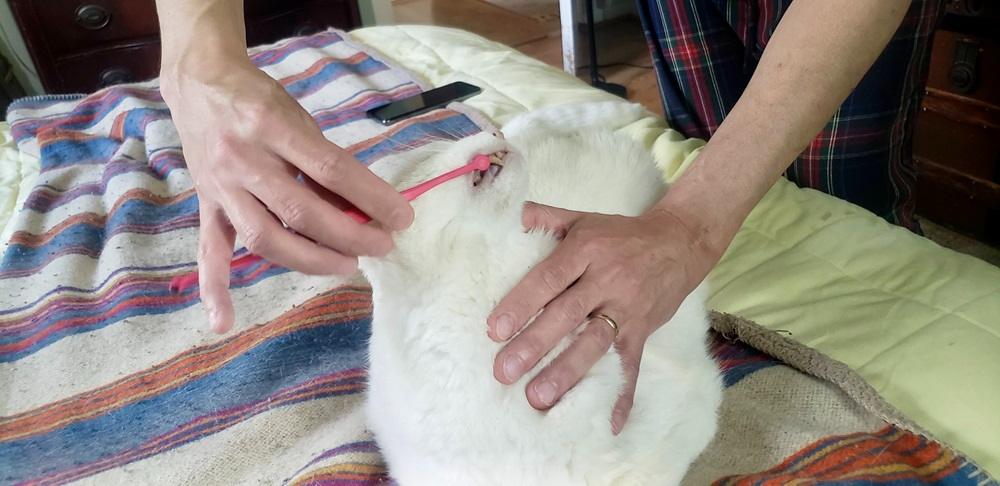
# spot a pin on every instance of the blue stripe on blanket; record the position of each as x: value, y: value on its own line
x: 274, y: 56
x: 254, y: 375
x: 65, y: 153
x: 135, y: 122
x: 330, y: 71
x: 134, y: 216
x: 451, y: 128
x: 46, y: 197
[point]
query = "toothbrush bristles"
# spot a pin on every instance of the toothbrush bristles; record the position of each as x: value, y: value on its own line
x: 481, y: 162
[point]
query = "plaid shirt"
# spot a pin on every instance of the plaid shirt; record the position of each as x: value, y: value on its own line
x: 704, y: 52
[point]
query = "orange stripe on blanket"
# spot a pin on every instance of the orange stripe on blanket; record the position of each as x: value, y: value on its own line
x: 77, y: 299
x: 347, y: 471
x: 117, y: 131
x: 341, y: 305
x: 891, y: 454
x: 53, y: 135
x: 94, y: 219
x: 319, y: 65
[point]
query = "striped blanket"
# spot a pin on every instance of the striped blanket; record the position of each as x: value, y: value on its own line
x: 108, y: 377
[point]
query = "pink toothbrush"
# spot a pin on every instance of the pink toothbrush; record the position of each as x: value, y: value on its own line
x: 480, y: 162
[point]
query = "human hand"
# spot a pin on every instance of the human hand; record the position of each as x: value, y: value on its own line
x: 637, y: 270
x: 245, y: 141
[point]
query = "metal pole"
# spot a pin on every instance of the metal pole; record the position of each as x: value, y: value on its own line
x: 595, y: 76
x: 592, y: 35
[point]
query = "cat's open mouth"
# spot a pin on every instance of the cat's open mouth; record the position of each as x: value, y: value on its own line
x: 483, y: 177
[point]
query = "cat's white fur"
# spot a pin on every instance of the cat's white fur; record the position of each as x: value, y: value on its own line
x: 437, y: 413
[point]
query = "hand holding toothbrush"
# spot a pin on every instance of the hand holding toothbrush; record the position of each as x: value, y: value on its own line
x: 246, y: 141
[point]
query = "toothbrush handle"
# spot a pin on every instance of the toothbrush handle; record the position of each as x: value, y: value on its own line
x: 479, y: 162
x: 415, y: 191
x: 356, y: 214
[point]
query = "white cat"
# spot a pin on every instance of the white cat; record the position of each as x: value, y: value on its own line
x: 438, y: 414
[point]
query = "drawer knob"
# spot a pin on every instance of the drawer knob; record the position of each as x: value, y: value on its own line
x: 964, y: 66
x: 969, y: 8
x: 115, y: 75
x: 92, y: 17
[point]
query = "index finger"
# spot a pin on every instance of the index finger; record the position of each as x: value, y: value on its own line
x: 541, y: 285
x: 338, y: 171
x: 215, y: 251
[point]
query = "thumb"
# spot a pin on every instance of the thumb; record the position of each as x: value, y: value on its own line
x: 556, y: 220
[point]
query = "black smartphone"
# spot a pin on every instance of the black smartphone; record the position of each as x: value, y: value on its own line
x: 423, y: 102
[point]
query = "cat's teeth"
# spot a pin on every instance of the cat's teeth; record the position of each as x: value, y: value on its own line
x: 496, y: 165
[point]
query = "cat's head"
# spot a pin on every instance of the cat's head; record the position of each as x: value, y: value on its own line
x: 455, y: 222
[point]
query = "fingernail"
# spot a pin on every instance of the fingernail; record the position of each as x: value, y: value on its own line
x: 617, y: 421
x: 546, y: 392
x: 512, y: 367
x: 505, y: 326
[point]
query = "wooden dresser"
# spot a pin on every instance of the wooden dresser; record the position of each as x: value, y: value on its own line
x: 957, y: 137
x: 79, y: 46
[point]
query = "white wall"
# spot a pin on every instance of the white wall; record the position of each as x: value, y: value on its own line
x: 376, y: 12
x: 13, y: 49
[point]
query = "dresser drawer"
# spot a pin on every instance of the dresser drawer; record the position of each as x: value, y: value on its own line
x: 956, y: 141
x: 966, y: 65
x: 62, y: 27
x: 961, y: 133
x: 78, y: 45
x: 125, y: 64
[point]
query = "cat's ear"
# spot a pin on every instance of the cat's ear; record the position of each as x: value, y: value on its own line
x: 556, y: 220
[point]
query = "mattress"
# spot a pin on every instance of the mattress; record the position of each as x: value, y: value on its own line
x: 17, y: 175
x: 920, y: 322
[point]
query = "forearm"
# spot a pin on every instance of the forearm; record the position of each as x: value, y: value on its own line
x: 819, y: 52
x: 198, y: 35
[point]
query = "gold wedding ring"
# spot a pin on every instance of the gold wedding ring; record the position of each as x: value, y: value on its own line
x: 611, y: 322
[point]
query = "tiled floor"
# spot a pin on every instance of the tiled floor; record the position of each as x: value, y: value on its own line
x: 536, y: 33
x: 532, y: 26
x: 490, y: 21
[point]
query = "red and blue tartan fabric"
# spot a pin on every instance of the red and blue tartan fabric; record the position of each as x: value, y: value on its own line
x: 704, y: 52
